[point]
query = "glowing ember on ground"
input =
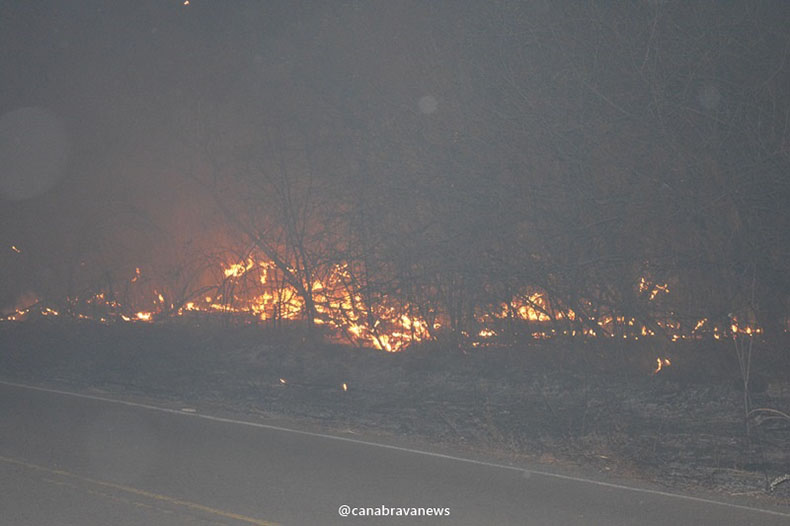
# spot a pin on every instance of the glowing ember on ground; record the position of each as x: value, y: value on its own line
x: 487, y: 333
x: 661, y: 363
x: 256, y: 290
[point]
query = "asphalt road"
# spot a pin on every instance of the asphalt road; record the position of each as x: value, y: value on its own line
x: 67, y: 459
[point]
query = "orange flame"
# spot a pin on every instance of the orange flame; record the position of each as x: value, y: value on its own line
x: 661, y: 363
x: 256, y: 290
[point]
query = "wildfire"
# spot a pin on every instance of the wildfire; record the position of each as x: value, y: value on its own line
x: 236, y: 270
x: 744, y: 328
x: 255, y: 290
x: 534, y: 307
x: 486, y: 333
x: 652, y: 289
x: 661, y: 363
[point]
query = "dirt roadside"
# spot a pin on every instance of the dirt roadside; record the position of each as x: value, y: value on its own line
x: 598, y: 406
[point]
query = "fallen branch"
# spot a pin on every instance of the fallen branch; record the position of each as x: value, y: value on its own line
x: 768, y: 413
x: 778, y: 480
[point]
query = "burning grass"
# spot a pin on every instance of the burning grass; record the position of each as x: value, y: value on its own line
x: 596, y: 404
x: 252, y: 290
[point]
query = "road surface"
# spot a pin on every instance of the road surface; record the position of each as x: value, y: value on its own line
x: 67, y: 458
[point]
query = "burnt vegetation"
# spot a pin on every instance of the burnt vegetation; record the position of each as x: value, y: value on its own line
x: 616, y: 171
x: 467, y: 176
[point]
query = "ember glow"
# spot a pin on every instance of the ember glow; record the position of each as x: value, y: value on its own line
x: 267, y: 182
x: 661, y: 363
x: 652, y: 289
x: 253, y: 290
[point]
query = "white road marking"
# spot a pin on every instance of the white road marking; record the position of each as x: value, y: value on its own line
x: 396, y: 448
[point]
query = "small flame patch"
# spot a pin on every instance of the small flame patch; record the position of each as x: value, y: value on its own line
x: 661, y: 363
